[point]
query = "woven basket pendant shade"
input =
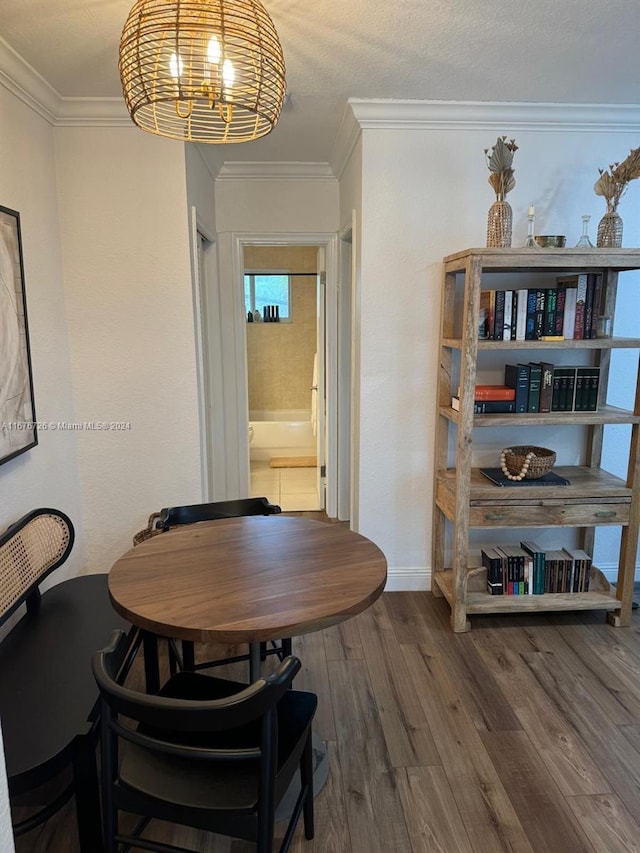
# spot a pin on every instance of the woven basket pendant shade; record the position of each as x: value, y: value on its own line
x: 202, y: 70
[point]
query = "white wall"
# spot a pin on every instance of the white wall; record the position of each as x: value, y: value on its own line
x: 124, y: 227
x: 425, y: 194
x: 47, y: 475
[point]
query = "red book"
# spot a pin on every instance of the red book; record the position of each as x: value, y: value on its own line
x: 494, y: 392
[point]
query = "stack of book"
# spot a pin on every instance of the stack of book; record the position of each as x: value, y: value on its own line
x: 545, y: 387
x: 528, y: 569
x: 490, y: 400
x: 569, y: 310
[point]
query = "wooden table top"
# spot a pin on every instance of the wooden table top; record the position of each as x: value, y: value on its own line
x: 248, y: 579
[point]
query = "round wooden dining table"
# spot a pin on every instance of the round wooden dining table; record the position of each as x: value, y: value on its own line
x: 247, y: 580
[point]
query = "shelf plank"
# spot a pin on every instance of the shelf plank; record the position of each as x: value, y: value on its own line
x: 585, y: 485
x: 581, y: 344
x: 535, y: 260
x: 604, y: 415
x: 481, y: 602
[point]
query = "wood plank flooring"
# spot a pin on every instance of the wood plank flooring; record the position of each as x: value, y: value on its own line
x: 522, y: 735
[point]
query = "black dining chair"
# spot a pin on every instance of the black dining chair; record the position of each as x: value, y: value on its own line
x: 205, y: 753
x: 192, y: 514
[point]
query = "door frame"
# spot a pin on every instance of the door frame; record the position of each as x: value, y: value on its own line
x: 329, y: 241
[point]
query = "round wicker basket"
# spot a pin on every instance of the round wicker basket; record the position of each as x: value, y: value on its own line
x: 540, y: 463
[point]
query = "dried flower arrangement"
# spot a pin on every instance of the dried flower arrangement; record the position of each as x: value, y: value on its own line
x: 613, y: 182
x: 500, y: 163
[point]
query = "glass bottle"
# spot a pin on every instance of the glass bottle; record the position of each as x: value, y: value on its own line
x: 584, y: 242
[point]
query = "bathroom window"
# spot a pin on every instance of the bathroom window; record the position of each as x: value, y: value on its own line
x: 268, y: 288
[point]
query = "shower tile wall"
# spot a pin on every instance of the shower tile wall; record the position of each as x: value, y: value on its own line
x: 280, y: 355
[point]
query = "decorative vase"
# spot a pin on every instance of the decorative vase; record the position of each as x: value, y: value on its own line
x: 499, y: 222
x: 610, y: 230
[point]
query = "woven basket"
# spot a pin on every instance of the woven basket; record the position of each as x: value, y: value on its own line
x: 539, y: 464
x: 150, y: 530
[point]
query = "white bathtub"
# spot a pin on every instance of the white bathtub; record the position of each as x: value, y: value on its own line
x: 281, y: 433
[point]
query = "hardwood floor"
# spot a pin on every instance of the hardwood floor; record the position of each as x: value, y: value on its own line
x: 522, y: 735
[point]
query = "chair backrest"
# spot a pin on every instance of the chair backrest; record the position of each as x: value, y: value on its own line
x: 30, y: 549
x: 176, y: 515
x: 163, y: 719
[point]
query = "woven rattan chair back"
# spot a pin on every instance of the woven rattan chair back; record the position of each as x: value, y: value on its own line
x: 30, y: 554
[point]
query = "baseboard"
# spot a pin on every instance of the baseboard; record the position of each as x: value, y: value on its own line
x: 410, y: 579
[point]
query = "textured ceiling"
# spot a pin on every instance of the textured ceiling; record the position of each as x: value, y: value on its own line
x: 573, y: 51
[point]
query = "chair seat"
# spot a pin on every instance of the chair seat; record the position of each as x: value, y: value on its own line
x: 174, y: 780
x: 43, y: 714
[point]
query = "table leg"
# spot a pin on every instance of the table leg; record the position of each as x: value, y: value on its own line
x: 151, y: 663
x: 254, y: 662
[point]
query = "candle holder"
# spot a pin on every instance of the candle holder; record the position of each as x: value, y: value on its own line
x: 530, y: 242
x: 584, y: 242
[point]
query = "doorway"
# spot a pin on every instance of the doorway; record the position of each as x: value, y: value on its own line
x: 284, y: 306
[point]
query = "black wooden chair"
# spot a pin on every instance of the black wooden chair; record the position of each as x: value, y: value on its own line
x: 48, y: 697
x: 204, y: 752
x: 180, y: 515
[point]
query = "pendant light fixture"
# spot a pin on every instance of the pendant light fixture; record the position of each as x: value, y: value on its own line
x: 202, y: 70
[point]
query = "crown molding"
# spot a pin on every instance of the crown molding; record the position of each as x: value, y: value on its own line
x: 275, y: 171
x: 464, y: 115
x: 347, y: 136
x: 23, y: 81
x: 92, y: 112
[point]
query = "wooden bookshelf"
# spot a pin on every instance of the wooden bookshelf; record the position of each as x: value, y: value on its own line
x: 466, y: 500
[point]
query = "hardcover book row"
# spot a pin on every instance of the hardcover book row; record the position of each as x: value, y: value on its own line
x: 538, y: 387
x: 570, y: 311
x: 528, y: 569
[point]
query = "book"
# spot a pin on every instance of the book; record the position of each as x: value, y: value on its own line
x: 537, y: 554
x: 582, y: 569
x: 530, y: 327
x: 508, y: 331
x: 517, y: 376
x: 546, y: 386
x: 581, y: 298
x: 541, y: 296
x: 498, y: 478
x: 521, y: 314
x: 494, y: 392
x: 485, y: 315
x: 569, y: 320
x: 518, y: 564
x: 499, y: 316
x: 597, y: 304
x: 487, y: 407
x: 588, y: 306
x: 494, y: 407
x: 535, y: 377
x: 549, y: 324
x: 561, y: 295
x: 563, y: 389
x: 492, y: 561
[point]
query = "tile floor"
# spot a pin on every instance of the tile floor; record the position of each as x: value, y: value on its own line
x: 293, y: 489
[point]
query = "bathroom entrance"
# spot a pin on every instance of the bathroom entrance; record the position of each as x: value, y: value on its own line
x: 284, y: 308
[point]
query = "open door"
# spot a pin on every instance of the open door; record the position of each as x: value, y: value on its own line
x: 318, y: 400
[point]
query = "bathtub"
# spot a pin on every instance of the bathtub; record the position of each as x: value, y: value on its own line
x: 286, y: 432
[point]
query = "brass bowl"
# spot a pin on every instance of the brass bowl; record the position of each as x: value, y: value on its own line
x: 550, y: 241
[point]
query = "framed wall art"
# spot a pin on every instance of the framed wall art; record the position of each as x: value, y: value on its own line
x: 18, y: 431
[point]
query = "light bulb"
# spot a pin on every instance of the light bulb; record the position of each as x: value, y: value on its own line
x: 213, y: 51
x: 228, y: 76
x: 176, y: 66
